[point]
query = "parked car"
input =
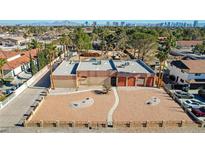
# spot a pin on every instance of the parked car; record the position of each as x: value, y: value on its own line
x: 201, y: 93
x: 182, y: 94
x: 9, y: 91
x: 199, y: 112
x: 183, y: 87
x: 193, y: 103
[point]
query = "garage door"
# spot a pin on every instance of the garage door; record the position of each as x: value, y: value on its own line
x: 121, y: 81
x: 150, y: 81
x: 131, y: 81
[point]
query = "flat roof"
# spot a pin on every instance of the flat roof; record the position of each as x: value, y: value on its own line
x: 66, y: 68
x: 130, y: 67
x: 101, y: 65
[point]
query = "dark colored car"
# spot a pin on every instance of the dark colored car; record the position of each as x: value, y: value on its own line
x: 199, y: 112
x: 201, y: 93
x: 183, y: 87
x: 184, y: 95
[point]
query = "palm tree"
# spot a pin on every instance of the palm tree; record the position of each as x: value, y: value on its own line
x: 51, y: 51
x: 162, y: 56
x: 2, y: 62
x: 34, y: 44
x: 65, y: 41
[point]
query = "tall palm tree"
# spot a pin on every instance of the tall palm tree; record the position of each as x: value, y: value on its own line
x: 2, y: 62
x: 162, y: 56
x: 34, y: 44
x: 51, y: 51
x: 65, y: 41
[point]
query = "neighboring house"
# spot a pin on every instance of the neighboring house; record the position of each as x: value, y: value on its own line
x: 183, y: 54
x: 188, y: 72
x: 88, y: 30
x: 17, y: 62
x: 100, y: 72
x: 187, y: 44
x: 9, y: 41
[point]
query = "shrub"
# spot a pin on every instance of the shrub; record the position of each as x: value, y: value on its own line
x: 107, y: 88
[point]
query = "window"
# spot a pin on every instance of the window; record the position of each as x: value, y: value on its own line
x: 198, y: 74
x: 140, y: 81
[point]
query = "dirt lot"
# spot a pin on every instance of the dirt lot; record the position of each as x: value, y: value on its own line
x: 132, y: 106
x: 58, y: 108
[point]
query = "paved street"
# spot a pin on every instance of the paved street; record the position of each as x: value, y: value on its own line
x: 11, y: 114
x: 14, y: 111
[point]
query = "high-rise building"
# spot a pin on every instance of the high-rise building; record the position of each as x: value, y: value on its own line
x: 94, y: 23
x: 107, y: 23
x: 122, y: 23
x: 196, y: 23
x: 115, y: 23
x: 86, y: 23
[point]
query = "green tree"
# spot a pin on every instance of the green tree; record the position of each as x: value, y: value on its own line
x: 199, y: 48
x: 42, y: 59
x: 82, y: 41
x: 65, y: 41
x: 50, y: 49
x: 34, y: 44
x: 33, y: 67
x: 162, y: 56
x: 2, y: 63
x: 142, y: 44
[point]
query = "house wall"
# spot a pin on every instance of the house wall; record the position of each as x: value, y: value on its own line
x: 94, y: 77
x: 64, y: 81
x: 193, y: 76
x: 8, y: 42
x: 17, y: 70
x: 183, y: 75
x: 178, y: 73
x: 95, y: 81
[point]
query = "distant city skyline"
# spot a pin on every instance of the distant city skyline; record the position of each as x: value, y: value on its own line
x: 99, y: 22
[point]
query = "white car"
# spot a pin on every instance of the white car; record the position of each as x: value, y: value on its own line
x: 193, y: 103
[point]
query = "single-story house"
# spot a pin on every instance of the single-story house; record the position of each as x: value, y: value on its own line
x: 100, y: 72
x: 13, y: 41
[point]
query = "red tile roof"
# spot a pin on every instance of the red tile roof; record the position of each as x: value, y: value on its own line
x: 8, y: 54
x: 25, y: 58
x: 195, y: 66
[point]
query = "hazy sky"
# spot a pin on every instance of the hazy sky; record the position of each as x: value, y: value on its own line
x: 98, y: 21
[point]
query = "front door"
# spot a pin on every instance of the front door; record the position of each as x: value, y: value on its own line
x: 113, y: 81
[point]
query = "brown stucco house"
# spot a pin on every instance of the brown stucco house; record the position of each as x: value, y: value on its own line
x: 99, y: 72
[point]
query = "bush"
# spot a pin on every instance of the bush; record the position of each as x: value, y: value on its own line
x: 107, y: 88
